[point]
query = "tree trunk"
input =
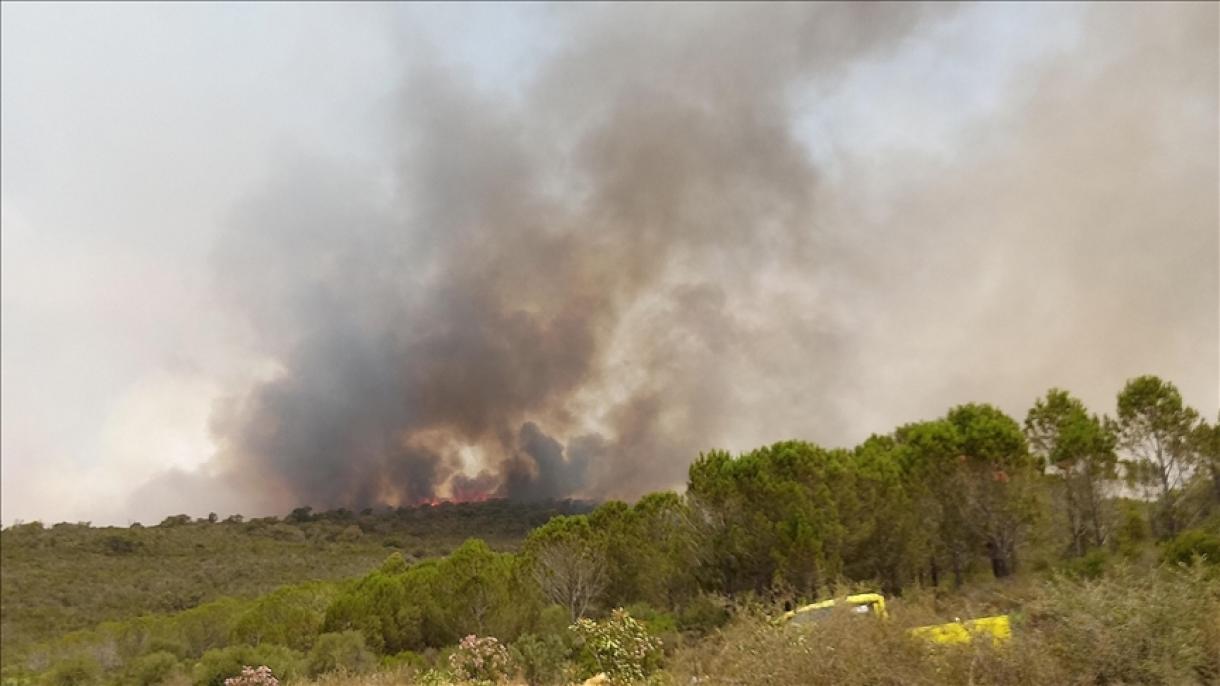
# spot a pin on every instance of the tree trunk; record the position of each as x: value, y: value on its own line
x: 1097, y: 529
x: 1216, y: 481
x: 1073, y: 513
x: 1003, y: 558
x: 1169, y: 520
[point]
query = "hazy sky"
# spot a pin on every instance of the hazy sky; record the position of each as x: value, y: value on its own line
x: 544, y: 250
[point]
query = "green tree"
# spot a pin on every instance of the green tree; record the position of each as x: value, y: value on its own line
x: 1206, y: 440
x: 1154, y: 428
x: 1080, y: 448
x: 886, y: 540
x: 931, y: 459
x: 290, y: 616
x: 394, y: 611
x: 997, y: 489
x: 663, y: 535
x: 772, y: 519
x: 479, y: 592
x: 567, y: 563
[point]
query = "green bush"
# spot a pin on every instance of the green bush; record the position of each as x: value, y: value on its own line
x: 217, y: 665
x: 552, y: 619
x: 619, y: 646
x: 407, y: 658
x: 1190, y: 544
x: 350, y: 534
x: 1132, y: 529
x: 291, y: 616
x: 656, y: 621
x: 703, y: 614
x: 80, y: 670
x: 340, y: 651
x: 1090, y: 566
x: 158, y: 644
x: 153, y: 668
x: 481, y: 660
x: 544, y: 659
x: 120, y: 544
x: 1156, y: 627
x: 848, y: 650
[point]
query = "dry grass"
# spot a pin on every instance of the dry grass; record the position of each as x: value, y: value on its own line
x: 1151, y: 628
x: 394, y: 677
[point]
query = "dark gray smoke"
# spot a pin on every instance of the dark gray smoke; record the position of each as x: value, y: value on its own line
x: 573, y: 290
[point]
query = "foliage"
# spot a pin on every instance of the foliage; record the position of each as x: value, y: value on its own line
x: 544, y: 659
x: 1161, y: 627
x: 216, y: 666
x: 1129, y: 627
x: 703, y: 614
x: 391, y: 610
x: 1089, y: 566
x: 1192, y: 543
x: 76, y: 671
x: 1205, y: 441
x: 340, y: 652
x: 254, y: 676
x: 480, y: 660
x: 70, y: 577
x: 968, y: 494
x: 290, y: 616
x: 431, y: 604
x: 620, y: 646
x: 153, y: 668
x: 1080, y: 448
x: 567, y: 564
x: 1155, y: 429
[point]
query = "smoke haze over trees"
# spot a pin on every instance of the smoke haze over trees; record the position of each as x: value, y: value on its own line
x: 696, y: 227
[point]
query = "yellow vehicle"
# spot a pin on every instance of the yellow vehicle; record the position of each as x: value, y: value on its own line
x: 861, y: 603
x: 998, y: 628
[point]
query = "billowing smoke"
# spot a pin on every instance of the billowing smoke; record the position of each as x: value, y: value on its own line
x: 574, y: 287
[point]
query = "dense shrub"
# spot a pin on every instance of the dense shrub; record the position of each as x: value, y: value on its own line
x: 544, y: 659
x: 1161, y: 627
x: 80, y: 670
x: 254, y: 676
x: 119, y: 544
x: 619, y: 646
x: 1089, y: 566
x: 153, y: 668
x: 340, y: 652
x: 290, y: 616
x: 846, y: 650
x: 217, y: 665
x: 1190, y: 544
x: 1158, y: 627
x: 350, y: 534
x: 480, y: 660
x: 392, y: 610
x: 432, y: 604
x: 702, y: 614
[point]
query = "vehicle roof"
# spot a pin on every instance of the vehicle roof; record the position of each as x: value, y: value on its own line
x: 857, y: 599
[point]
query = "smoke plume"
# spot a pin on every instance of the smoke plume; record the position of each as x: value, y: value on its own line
x: 573, y: 288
